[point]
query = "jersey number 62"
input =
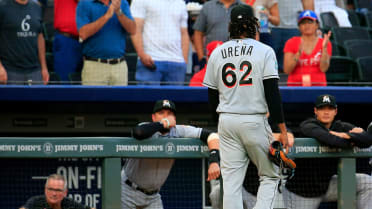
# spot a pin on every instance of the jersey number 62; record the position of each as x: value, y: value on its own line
x: 228, y: 70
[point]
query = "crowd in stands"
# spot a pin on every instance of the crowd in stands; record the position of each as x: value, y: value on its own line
x: 116, y: 42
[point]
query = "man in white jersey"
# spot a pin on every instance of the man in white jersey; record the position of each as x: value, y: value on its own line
x: 142, y: 178
x: 242, y: 80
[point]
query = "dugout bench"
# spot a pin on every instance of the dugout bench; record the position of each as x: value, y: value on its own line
x: 112, y: 149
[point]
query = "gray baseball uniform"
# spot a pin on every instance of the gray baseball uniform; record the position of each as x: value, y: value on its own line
x: 237, y: 70
x: 146, y: 176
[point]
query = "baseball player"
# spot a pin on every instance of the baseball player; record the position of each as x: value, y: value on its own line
x: 242, y: 80
x: 143, y: 178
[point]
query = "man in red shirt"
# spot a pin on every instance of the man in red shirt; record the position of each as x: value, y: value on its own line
x: 197, y: 78
x: 67, y: 50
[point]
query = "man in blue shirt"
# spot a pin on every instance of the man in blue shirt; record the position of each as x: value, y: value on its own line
x: 103, y: 26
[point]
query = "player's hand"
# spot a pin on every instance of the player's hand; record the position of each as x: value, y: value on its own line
x: 169, y: 121
x: 3, y: 75
x: 213, y: 171
x: 356, y: 130
x: 326, y: 39
x: 283, y: 138
x: 147, y: 60
x: 45, y: 75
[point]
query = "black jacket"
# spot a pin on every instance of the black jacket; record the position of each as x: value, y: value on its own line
x: 312, y: 175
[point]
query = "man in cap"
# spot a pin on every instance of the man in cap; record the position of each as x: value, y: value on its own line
x: 143, y: 178
x: 242, y: 80
x: 315, y: 179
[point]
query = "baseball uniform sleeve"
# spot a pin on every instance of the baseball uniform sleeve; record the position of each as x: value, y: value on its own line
x: 184, y: 131
x: 270, y: 65
x: 126, y: 10
x: 82, y: 14
x: 138, y: 9
x: 211, y: 78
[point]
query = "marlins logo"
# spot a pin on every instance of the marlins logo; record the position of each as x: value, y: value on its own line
x: 326, y: 99
x: 166, y: 103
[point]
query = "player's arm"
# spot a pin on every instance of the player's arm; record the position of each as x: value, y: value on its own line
x: 212, y: 139
x: 146, y: 130
x: 311, y: 129
x: 274, y: 103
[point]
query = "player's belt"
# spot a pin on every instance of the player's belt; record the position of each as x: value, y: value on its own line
x: 134, y: 186
x: 106, y: 61
x: 69, y: 35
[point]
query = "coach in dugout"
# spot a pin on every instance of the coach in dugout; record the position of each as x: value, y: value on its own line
x: 142, y: 178
x: 103, y: 26
x: 54, y: 197
x: 315, y: 180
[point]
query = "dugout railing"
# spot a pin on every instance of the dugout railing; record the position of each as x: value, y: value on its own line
x: 112, y: 149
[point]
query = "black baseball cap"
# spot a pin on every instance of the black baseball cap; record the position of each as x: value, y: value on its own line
x: 164, y: 104
x: 324, y: 100
x: 241, y: 12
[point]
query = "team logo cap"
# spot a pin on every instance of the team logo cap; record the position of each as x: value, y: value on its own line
x: 324, y: 100
x: 164, y: 104
x: 307, y: 14
x: 241, y: 12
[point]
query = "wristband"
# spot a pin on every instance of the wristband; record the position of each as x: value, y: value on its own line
x: 166, y: 119
x: 214, y: 156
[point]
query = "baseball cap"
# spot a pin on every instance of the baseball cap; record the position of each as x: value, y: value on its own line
x: 307, y: 14
x: 164, y: 104
x: 241, y: 12
x: 324, y: 100
x: 212, y: 46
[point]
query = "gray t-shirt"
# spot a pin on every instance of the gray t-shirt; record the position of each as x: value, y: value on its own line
x: 213, y: 21
x: 150, y: 174
x: 20, y: 26
x: 237, y: 69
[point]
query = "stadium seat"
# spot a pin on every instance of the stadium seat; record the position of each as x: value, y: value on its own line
x: 54, y: 78
x: 365, y: 68
x: 358, y: 48
x: 129, y: 48
x: 336, y: 49
x: 132, y: 65
x: 353, y: 17
x: 342, y: 34
x: 328, y: 20
x: 368, y: 18
x: 75, y: 78
x: 360, y: 4
x: 341, y: 69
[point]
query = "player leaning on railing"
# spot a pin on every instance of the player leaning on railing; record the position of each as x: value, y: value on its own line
x: 143, y: 178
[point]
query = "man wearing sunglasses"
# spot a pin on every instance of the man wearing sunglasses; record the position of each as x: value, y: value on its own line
x: 54, y: 197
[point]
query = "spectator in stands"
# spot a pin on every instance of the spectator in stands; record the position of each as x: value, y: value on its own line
x: 103, y: 26
x: 22, y: 48
x: 197, y: 78
x: 67, y: 50
x: 269, y: 10
x: 315, y: 179
x: 288, y: 10
x: 54, y: 197
x: 162, y: 41
x: 307, y: 57
x: 337, y: 7
x: 212, y: 24
x: 143, y: 178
